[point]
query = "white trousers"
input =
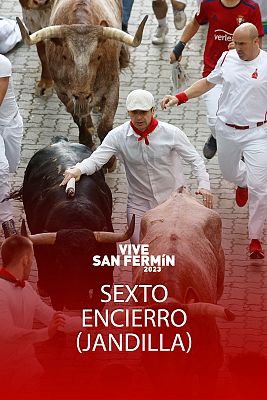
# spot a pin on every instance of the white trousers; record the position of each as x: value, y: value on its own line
x: 211, y: 99
x: 138, y: 208
x: 252, y: 144
x: 10, y: 144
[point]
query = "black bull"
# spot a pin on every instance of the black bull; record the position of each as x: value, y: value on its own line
x: 65, y: 269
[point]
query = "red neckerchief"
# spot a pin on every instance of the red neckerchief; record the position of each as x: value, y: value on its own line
x: 144, y: 134
x: 4, y: 274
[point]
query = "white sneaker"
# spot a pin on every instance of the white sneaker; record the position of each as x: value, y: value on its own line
x: 159, y: 36
x: 179, y: 19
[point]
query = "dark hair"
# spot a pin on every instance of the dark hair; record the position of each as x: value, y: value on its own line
x: 13, y: 247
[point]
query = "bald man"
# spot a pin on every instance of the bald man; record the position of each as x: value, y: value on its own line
x: 219, y: 39
x: 241, y: 127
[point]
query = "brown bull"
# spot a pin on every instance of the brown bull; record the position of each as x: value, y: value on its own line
x: 192, y: 233
x: 86, y: 50
x: 36, y: 15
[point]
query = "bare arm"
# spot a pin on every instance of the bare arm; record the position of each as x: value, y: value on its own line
x: 197, y: 89
x: 190, y: 30
x: 3, y: 88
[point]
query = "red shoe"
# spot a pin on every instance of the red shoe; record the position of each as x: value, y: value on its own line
x: 241, y: 196
x: 255, y: 249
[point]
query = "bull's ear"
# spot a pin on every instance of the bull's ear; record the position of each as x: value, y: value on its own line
x: 101, y: 38
x: 57, y: 41
x: 23, y: 229
x: 104, y: 23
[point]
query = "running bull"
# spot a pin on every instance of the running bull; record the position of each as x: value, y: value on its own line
x: 68, y: 231
x: 86, y: 50
x: 192, y: 233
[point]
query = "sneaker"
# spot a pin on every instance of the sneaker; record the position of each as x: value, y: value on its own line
x: 9, y: 228
x: 210, y: 148
x: 159, y: 37
x: 255, y: 249
x: 241, y: 196
x: 179, y: 19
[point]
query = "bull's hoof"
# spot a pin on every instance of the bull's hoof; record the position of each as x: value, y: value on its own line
x: 44, y: 88
x: 111, y: 165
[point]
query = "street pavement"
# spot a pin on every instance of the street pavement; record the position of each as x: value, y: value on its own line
x: 245, y: 291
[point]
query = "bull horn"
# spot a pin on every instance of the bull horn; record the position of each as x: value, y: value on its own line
x: 56, y: 31
x: 43, y: 238
x: 38, y: 238
x: 117, y: 34
x: 111, y: 237
x: 23, y: 228
x: 208, y: 309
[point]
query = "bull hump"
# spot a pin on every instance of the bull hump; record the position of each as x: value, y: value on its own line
x: 181, y: 206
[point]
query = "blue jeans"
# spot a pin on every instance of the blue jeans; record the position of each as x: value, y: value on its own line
x: 127, y: 8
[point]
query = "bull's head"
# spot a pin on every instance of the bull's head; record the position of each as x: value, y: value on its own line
x: 81, y: 53
x: 36, y: 4
x: 101, y: 237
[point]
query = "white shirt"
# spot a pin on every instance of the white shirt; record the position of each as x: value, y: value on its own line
x: 244, y: 99
x: 153, y: 171
x: 18, y: 309
x: 9, y: 34
x: 8, y: 108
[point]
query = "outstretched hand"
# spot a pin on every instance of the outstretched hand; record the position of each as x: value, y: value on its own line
x: 207, y: 197
x: 168, y: 101
x: 71, y: 173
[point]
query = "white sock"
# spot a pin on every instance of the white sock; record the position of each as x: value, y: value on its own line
x: 162, y: 22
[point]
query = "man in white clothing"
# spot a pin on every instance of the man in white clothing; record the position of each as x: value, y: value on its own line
x: 151, y: 152
x: 11, y: 130
x: 20, y: 370
x: 223, y: 17
x: 241, y: 127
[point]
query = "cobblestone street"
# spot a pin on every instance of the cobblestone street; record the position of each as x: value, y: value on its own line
x: 245, y: 291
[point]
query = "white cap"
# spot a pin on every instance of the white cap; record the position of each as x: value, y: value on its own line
x: 140, y: 100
